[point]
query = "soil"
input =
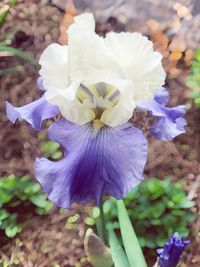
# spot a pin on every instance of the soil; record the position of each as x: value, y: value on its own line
x: 49, y: 240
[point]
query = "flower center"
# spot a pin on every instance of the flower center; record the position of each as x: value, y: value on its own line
x: 98, y: 97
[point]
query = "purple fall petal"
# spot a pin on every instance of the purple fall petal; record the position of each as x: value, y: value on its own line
x: 170, y: 254
x: 169, y: 122
x: 34, y: 113
x: 40, y: 83
x: 97, y: 161
x: 162, y: 96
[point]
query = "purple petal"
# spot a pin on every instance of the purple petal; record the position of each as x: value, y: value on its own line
x: 34, y: 113
x: 40, y: 83
x: 105, y: 161
x: 169, y: 122
x: 162, y: 96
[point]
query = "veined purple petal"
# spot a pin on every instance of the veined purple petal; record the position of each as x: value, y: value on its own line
x: 170, y: 254
x: 169, y: 122
x: 97, y: 161
x: 34, y: 113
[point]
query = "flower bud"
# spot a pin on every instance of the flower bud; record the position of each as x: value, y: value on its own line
x: 170, y: 254
x: 97, y: 252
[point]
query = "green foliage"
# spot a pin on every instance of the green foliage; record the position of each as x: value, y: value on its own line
x: 5, y: 10
x: 51, y: 150
x: 11, y: 70
x: 194, y: 79
x: 15, y: 193
x: 156, y: 208
x: 6, y: 50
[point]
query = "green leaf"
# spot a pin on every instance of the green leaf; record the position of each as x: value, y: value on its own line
x: 185, y: 204
x: 11, y: 231
x: 3, y: 14
x: 3, y: 214
x: 5, y: 196
x: 51, y: 149
x: 39, y: 200
x: 118, y: 254
x: 5, y: 10
x: 16, y: 52
x: 95, y: 213
x: 11, y: 70
x: 32, y: 189
x: 130, y: 241
x: 90, y: 221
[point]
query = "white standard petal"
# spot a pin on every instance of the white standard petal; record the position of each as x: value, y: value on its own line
x: 134, y: 54
x: 54, y: 67
x: 87, y: 50
x: 72, y: 110
x: 84, y: 22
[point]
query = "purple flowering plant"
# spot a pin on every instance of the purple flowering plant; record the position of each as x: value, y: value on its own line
x: 95, y: 85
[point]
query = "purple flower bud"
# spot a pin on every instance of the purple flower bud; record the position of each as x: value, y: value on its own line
x: 170, y: 254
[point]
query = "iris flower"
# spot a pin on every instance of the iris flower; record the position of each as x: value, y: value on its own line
x: 95, y: 84
x: 170, y: 254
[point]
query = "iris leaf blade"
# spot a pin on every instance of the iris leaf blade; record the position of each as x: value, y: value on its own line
x: 118, y: 254
x: 11, y: 51
x: 130, y: 241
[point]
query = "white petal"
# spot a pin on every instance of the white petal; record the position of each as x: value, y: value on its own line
x: 72, y: 110
x: 87, y: 50
x: 84, y: 22
x: 138, y: 62
x: 54, y: 67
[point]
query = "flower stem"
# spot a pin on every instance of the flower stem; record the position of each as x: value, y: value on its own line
x: 103, y: 233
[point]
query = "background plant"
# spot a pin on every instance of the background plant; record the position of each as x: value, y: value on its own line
x: 4, y: 10
x: 19, y: 193
x: 194, y: 79
x: 5, y: 49
x: 156, y: 208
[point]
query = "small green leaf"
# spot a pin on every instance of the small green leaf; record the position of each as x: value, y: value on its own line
x: 185, y: 204
x: 57, y: 155
x: 3, y: 214
x: 95, y: 213
x: 39, y: 200
x: 3, y: 13
x: 74, y: 218
x: 130, y: 241
x: 11, y: 70
x: 32, y: 189
x: 11, y: 231
x: 118, y: 254
x: 90, y: 221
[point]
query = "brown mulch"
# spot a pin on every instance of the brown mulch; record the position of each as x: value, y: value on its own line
x: 49, y: 240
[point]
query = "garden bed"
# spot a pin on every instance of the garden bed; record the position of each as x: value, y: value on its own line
x: 50, y: 240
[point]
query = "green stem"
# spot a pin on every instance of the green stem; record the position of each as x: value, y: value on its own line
x: 103, y: 224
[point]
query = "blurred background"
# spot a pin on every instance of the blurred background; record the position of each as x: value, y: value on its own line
x: 33, y: 232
